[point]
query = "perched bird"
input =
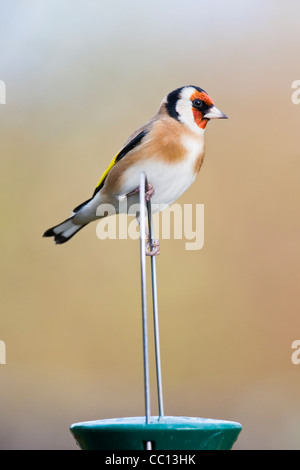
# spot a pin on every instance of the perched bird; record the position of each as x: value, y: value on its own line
x: 169, y: 149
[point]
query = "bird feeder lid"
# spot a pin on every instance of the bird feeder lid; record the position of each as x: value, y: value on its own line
x: 164, y: 433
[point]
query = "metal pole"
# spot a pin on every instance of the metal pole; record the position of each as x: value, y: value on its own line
x: 155, y: 316
x: 144, y: 295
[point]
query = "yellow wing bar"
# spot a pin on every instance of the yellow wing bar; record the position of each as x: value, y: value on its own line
x: 130, y: 146
x: 112, y: 163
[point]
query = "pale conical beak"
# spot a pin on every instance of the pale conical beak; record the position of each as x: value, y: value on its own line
x: 215, y: 113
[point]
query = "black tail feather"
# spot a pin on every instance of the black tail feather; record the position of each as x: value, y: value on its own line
x: 58, y: 231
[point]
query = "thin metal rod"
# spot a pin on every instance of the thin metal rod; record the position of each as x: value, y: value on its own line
x: 144, y: 295
x: 155, y: 316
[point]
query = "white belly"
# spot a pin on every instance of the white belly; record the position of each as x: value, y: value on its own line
x: 169, y: 180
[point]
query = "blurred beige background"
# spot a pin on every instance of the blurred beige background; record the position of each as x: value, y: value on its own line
x: 80, y: 77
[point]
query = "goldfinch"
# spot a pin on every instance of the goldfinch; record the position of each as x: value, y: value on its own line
x: 169, y: 149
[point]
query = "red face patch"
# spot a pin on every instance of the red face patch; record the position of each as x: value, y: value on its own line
x: 198, y: 116
x: 199, y: 120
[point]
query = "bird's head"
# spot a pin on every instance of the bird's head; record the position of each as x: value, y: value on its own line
x: 193, y: 107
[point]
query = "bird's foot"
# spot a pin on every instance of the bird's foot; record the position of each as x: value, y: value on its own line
x: 152, y: 249
x: 148, y: 193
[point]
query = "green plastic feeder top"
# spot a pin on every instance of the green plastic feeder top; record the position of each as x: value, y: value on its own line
x: 164, y: 433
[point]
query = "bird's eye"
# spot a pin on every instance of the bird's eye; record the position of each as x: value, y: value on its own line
x: 197, y: 103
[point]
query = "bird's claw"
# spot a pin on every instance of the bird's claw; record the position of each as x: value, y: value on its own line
x: 152, y: 249
x: 149, y: 192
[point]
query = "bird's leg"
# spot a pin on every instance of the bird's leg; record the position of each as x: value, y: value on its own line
x: 152, y: 248
x: 148, y: 193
